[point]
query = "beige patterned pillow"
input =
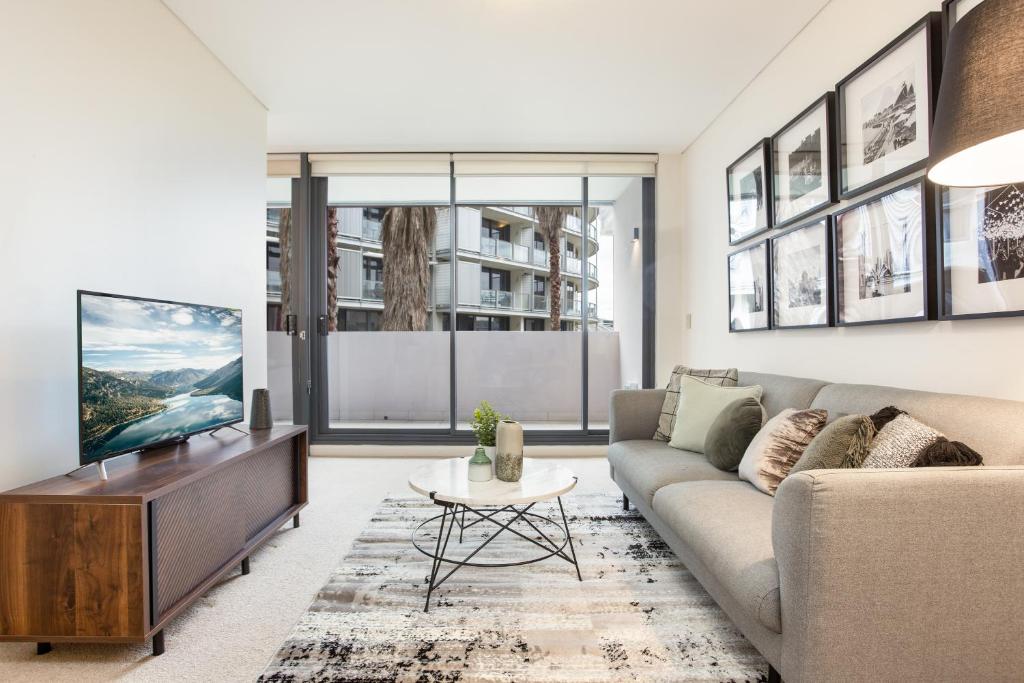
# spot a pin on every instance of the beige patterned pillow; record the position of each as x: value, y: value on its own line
x: 667, y: 419
x: 777, y: 447
x: 900, y: 443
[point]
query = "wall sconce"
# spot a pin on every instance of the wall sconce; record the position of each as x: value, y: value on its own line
x: 636, y: 234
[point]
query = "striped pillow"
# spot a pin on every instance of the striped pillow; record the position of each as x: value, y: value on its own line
x: 667, y: 419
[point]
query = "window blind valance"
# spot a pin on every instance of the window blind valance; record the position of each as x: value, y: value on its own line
x: 380, y: 164
x: 484, y: 164
x: 283, y: 166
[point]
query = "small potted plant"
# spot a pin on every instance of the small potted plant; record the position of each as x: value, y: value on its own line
x: 485, y: 427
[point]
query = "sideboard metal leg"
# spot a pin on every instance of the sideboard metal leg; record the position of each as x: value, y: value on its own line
x: 295, y: 521
x: 43, y: 648
x: 245, y: 566
x: 158, y: 643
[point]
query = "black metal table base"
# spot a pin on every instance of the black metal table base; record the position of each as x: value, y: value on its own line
x: 454, y: 515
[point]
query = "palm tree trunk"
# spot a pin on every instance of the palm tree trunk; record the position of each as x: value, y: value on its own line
x: 550, y: 220
x: 406, y: 235
x: 332, y: 270
x: 284, y: 240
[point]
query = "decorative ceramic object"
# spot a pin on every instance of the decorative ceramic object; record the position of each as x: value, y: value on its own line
x: 508, y: 464
x: 260, y: 417
x: 479, y: 466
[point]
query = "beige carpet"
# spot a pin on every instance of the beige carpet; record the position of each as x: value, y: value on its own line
x: 636, y: 615
x: 233, y: 632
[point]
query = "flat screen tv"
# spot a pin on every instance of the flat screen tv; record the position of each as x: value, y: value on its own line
x: 154, y: 372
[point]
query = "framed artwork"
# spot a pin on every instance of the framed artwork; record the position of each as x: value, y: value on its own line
x: 803, y: 162
x: 882, y: 270
x: 981, y: 257
x: 886, y: 107
x: 748, y: 180
x: 801, y: 262
x: 749, y: 287
x: 953, y: 10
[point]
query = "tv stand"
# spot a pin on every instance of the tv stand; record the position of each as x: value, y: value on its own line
x: 240, y: 431
x: 123, y: 557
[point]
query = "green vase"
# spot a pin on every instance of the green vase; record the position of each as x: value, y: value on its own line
x: 479, y: 466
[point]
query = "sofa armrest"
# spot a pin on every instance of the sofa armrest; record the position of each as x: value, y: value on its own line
x: 908, y: 574
x: 633, y: 413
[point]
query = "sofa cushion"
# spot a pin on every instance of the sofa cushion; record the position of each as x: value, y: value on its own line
x: 993, y: 427
x: 728, y: 526
x: 647, y: 465
x: 782, y: 391
x: 699, y: 405
x: 667, y: 419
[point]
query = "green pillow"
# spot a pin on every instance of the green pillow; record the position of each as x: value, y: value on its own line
x: 699, y: 405
x: 831, y: 447
x: 731, y: 433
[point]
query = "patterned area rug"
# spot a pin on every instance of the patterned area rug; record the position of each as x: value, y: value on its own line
x: 637, y: 615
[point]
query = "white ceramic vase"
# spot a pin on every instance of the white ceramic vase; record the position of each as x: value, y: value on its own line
x: 508, y: 462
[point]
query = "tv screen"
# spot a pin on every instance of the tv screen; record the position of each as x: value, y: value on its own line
x: 153, y: 372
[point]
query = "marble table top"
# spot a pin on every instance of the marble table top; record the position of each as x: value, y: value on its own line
x: 449, y: 481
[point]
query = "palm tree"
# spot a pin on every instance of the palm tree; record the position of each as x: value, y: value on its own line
x: 332, y: 270
x: 406, y: 234
x: 550, y: 220
x: 284, y: 237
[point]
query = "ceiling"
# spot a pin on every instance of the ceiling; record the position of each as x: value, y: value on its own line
x: 493, y: 75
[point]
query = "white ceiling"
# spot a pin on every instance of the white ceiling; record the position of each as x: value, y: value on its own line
x: 494, y: 75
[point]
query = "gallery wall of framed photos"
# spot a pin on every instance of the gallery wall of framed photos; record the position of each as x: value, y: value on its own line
x: 850, y: 231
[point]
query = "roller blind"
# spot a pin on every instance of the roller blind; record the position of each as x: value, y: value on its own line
x: 283, y: 166
x: 380, y: 164
x: 482, y: 164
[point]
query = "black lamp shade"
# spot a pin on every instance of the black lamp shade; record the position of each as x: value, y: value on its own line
x: 978, y: 134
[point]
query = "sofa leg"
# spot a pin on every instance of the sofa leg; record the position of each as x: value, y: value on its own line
x: 773, y: 675
x: 625, y: 502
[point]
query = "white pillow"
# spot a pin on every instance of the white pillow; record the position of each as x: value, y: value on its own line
x: 699, y: 404
x: 780, y: 443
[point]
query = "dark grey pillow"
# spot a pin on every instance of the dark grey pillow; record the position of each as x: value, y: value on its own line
x: 831, y: 448
x: 731, y: 433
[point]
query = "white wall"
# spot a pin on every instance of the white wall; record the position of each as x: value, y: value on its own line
x: 974, y: 356
x: 133, y: 162
x: 669, y: 349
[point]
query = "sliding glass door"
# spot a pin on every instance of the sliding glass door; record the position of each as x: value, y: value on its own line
x: 435, y: 291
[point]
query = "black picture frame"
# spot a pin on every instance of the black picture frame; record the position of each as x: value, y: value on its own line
x: 766, y: 245
x: 829, y: 275
x: 947, y: 16
x: 829, y: 101
x: 931, y: 23
x: 765, y: 148
x: 944, y: 284
x: 929, y: 304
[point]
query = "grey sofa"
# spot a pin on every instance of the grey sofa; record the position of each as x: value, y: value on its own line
x: 850, y: 575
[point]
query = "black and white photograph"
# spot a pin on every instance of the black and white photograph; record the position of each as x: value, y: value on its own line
x: 889, y: 114
x: 800, y: 282
x: 749, y: 208
x: 802, y: 163
x: 749, y: 288
x: 885, y: 109
x: 983, y: 251
x: 880, y: 258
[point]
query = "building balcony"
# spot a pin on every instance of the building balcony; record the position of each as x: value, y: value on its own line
x: 496, y: 298
x: 373, y: 290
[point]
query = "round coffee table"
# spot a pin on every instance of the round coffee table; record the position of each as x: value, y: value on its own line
x: 495, y: 502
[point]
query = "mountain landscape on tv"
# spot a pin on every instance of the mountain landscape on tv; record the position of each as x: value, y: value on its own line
x: 152, y: 372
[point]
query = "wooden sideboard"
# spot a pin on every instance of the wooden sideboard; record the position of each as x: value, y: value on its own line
x: 85, y: 560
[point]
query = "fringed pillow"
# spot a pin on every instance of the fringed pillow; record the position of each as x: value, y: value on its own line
x: 777, y: 447
x: 846, y: 439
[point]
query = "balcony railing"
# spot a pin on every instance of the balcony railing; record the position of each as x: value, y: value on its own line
x: 540, y: 257
x: 273, y: 282
x: 496, y: 298
x: 573, y: 266
x: 371, y: 230
x: 520, y: 253
x: 373, y: 290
